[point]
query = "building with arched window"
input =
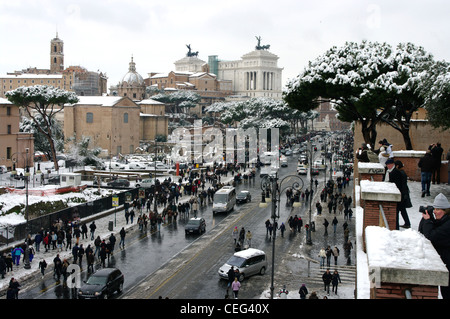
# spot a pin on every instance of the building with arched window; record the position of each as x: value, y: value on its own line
x: 111, y: 123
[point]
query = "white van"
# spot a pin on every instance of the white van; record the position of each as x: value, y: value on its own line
x: 270, y: 158
x: 224, y: 199
x: 136, y: 165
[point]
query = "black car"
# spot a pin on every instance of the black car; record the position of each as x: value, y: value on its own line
x: 102, y: 284
x: 195, y: 225
x: 120, y: 182
x: 243, y: 197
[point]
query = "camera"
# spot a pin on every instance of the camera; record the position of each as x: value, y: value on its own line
x: 429, y: 209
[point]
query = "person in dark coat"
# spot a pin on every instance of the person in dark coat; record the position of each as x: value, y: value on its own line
x: 303, y: 291
x: 436, y: 153
x: 327, y: 277
x: 335, y: 280
x: 437, y: 230
x: 426, y: 164
x: 397, y: 175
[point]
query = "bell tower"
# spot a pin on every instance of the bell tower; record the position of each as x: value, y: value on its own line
x: 56, y: 55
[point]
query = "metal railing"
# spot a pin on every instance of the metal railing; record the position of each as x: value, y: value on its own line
x: 383, y: 220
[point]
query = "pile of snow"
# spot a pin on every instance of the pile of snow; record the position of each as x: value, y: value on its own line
x: 407, y: 249
x: 10, y: 200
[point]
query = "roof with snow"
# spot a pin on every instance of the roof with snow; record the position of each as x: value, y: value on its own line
x: 149, y: 101
x: 98, y: 100
x: 4, y: 101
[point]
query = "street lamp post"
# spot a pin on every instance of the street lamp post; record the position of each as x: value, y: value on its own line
x: 26, y: 256
x: 269, y: 184
x: 309, y: 229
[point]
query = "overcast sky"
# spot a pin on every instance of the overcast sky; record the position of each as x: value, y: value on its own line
x: 104, y: 34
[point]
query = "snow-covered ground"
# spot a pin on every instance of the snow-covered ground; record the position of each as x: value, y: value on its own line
x: 10, y: 200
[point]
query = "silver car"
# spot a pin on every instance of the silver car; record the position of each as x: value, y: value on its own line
x: 249, y: 262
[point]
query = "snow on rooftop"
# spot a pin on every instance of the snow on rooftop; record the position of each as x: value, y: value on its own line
x: 248, y: 253
x: 4, y: 101
x: 98, y: 100
x: 149, y: 101
x: 31, y: 76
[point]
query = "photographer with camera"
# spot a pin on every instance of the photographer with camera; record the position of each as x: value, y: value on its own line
x: 435, y: 226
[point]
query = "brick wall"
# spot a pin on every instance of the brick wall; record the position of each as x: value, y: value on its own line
x: 367, y: 176
x: 397, y: 291
x: 372, y: 215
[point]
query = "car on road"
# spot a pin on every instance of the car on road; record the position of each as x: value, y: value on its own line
x: 301, y: 170
x: 248, y: 262
x: 120, y: 182
x: 243, y: 197
x: 195, y: 225
x: 283, y: 161
x: 102, y: 284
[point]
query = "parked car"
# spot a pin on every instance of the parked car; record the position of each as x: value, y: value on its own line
x: 120, y: 182
x: 114, y: 165
x: 195, y: 225
x: 136, y: 165
x: 301, y: 170
x: 249, y: 262
x: 102, y: 284
x: 243, y: 197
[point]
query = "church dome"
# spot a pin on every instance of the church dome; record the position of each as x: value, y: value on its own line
x: 132, y: 78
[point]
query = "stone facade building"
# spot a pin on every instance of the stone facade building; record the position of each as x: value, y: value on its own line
x: 256, y: 74
x: 14, y: 144
x: 111, y: 122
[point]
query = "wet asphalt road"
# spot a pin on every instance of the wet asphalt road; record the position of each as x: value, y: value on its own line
x: 170, y: 264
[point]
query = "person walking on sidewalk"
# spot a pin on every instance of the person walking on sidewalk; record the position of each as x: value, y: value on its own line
x: 335, y: 252
x: 122, y: 238
x: 322, y: 256
x: 92, y: 227
x: 335, y: 279
x: 235, y: 286
x: 334, y: 223
x: 347, y: 251
x: 325, y: 224
x: 326, y: 278
x: 42, y: 266
x: 303, y: 291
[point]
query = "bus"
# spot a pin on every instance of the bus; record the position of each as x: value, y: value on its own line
x: 224, y: 199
